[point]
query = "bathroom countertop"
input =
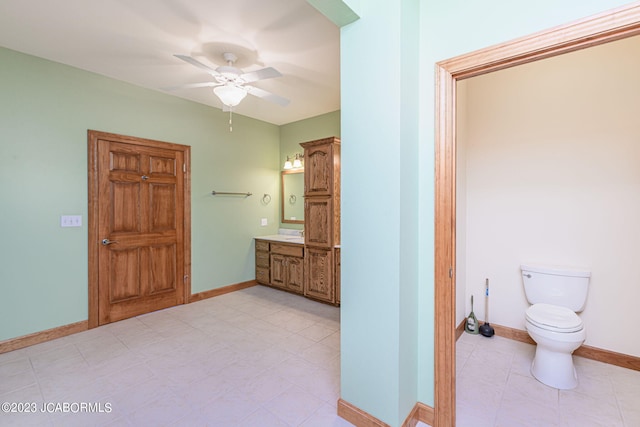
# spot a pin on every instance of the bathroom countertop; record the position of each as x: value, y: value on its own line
x: 284, y: 238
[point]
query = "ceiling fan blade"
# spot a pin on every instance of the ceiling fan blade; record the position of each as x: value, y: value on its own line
x: 197, y: 63
x: 261, y: 93
x: 265, y: 73
x: 191, y: 86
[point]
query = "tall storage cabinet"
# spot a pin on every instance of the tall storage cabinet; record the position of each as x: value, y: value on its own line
x: 321, y: 217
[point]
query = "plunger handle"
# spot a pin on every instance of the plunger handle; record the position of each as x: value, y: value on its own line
x: 486, y: 301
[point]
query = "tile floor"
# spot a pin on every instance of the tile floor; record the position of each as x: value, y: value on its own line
x: 494, y: 388
x: 256, y: 357
x: 261, y: 357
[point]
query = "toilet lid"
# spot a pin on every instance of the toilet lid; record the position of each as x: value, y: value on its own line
x: 553, y: 317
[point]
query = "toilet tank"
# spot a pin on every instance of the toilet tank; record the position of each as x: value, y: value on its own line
x: 563, y: 286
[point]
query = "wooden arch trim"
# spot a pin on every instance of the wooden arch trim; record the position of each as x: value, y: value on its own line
x: 609, y: 26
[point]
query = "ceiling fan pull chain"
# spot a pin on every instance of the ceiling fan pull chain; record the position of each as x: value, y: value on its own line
x: 230, y: 122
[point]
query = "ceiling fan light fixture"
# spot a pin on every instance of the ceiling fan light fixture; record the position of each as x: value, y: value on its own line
x: 230, y: 94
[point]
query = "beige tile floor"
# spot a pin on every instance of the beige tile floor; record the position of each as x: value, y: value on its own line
x: 495, y: 388
x: 256, y: 357
x: 261, y: 357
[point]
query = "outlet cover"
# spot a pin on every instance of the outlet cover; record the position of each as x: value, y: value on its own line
x: 263, y: 222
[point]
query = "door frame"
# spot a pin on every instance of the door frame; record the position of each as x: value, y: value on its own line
x: 93, y: 137
x: 608, y: 26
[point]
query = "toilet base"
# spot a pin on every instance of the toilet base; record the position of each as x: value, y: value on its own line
x: 554, y: 369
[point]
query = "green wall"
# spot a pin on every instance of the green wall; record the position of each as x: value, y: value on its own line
x: 387, y: 92
x: 379, y: 338
x: 45, y: 111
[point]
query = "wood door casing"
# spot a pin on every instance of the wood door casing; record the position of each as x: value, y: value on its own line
x: 139, y: 198
x: 591, y: 31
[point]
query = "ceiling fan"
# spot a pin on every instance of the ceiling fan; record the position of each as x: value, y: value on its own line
x: 231, y: 84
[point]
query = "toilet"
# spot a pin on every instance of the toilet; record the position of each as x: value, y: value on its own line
x: 556, y: 295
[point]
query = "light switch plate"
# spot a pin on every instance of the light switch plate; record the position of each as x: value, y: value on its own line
x: 263, y: 222
x: 71, y: 221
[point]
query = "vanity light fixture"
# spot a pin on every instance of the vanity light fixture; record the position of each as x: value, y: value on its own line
x: 287, y: 164
x: 297, y: 163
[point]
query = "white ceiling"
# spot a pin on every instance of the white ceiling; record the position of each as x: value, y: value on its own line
x: 135, y: 40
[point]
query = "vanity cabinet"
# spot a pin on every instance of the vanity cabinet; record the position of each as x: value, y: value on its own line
x: 280, y: 265
x: 287, y: 267
x: 322, y: 217
x: 262, y: 262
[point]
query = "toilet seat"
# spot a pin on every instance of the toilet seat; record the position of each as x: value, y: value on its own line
x: 553, y: 318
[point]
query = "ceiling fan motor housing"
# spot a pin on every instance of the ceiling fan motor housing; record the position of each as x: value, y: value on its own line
x: 231, y: 73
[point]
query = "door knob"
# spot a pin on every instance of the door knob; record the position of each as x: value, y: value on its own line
x: 106, y: 242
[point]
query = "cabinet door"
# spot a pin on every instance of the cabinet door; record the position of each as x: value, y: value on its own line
x: 318, y: 170
x: 318, y: 225
x: 278, y: 270
x: 319, y: 274
x: 295, y: 274
x: 337, y: 276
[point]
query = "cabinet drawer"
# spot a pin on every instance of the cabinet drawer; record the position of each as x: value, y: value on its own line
x: 291, y: 250
x: 262, y: 275
x: 262, y: 259
x: 261, y: 245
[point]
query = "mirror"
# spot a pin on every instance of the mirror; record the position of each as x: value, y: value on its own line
x: 292, y: 196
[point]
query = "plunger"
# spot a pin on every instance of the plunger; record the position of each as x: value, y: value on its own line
x: 486, y: 330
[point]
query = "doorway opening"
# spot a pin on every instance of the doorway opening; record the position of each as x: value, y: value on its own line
x: 606, y: 27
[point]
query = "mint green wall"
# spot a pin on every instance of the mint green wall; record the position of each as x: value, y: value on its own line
x: 292, y: 134
x: 45, y: 111
x: 379, y: 336
x: 387, y: 180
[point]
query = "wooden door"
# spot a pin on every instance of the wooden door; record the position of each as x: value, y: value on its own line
x: 139, y: 223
